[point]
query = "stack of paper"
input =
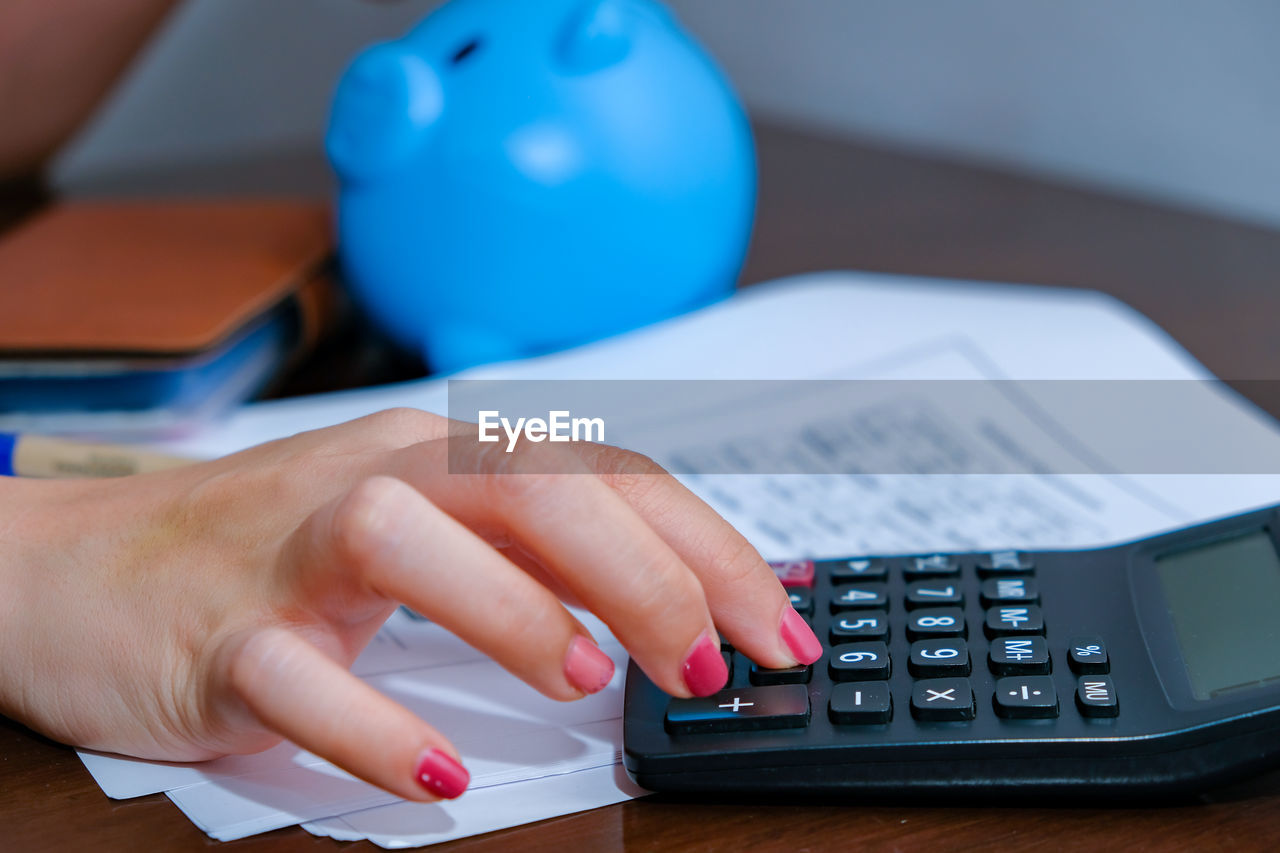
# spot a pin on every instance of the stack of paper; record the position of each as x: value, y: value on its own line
x: 509, y: 734
x: 532, y: 758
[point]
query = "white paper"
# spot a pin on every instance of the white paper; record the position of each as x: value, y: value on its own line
x: 941, y: 505
x: 405, y: 655
x: 416, y: 824
x: 246, y: 805
x: 505, y: 730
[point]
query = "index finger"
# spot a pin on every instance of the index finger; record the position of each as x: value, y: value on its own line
x: 746, y: 600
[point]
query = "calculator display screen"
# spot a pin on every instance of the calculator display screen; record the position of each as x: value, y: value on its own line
x: 1224, y: 599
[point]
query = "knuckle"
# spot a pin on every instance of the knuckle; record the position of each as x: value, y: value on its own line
x: 528, y: 473
x: 357, y: 527
x: 628, y: 471
x: 257, y: 660
x: 530, y: 458
x: 404, y: 425
x: 640, y: 480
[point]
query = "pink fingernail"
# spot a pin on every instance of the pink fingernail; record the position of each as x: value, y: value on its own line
x: 799, y: 637
x: 440, y: 774
x: 704, y: 670
x: 586, y: 667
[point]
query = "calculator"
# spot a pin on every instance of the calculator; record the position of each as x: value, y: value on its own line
x: 1146, y: 668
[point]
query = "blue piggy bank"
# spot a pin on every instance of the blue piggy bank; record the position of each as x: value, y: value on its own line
x: 518, y: 177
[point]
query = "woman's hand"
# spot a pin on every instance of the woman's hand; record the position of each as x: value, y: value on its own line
x: 216, y: 609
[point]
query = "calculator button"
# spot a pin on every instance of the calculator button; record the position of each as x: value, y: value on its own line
x: 1014, y: 620
x: 794, y: 572
x: 1005, y: 563
x: 939, y: 658
x: 1009, y: 591
x: 783, y: 707
x: 728, y: 663
x: 858, y: 662
x: 1088, y: 656
x: 942, y: 699
x: 801, y: 600
x: 1096, y: 696
x: 934, y: 565
x: 789, y: 675
x: 935, y: 622
x: 933, y: 594
x: 844, y: 571
x: 861, y: 702
x: 1019, y: 656
x: 864, y: 596
x: 1026, y: 697
x: 852, y: 627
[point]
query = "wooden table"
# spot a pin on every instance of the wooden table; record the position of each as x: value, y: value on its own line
x: 825, y: 204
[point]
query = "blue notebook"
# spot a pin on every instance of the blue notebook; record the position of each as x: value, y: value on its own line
x: 145, y: 397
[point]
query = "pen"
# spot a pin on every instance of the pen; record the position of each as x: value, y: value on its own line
x: 40, y: 456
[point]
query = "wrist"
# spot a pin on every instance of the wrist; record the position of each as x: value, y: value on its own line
x: 30, y: 537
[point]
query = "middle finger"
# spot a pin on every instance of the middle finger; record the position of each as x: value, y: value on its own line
x: 591, y: 540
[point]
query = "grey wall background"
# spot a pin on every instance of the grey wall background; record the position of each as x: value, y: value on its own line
x: 1178, y: 101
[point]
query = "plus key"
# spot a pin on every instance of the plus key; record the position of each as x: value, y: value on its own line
x: 744, y: 709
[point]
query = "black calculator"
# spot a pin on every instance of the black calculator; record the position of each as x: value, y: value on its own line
x: 1146, y: 668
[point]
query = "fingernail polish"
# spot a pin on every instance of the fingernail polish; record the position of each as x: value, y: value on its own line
x: 440, y: 774
x: 586, y: 667
x: 799, y: 637
x: 704, y: 670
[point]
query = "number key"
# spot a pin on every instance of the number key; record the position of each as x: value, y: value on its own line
x: 850, y: 627
x: 939, y: 658
x: 935, y: 622
x: 759, y: 675
x: 801, y: 600
x: 868, y: 596
x: 933, y: 594
x: 859, y: 662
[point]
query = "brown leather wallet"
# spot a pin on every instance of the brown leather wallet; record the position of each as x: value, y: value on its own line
x: 157, y: 278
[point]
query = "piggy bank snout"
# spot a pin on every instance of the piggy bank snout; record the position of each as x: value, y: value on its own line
x: 385, y: 106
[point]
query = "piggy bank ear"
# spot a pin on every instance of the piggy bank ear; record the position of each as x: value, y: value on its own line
x: 596, y: 34
x: 383, y: 110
